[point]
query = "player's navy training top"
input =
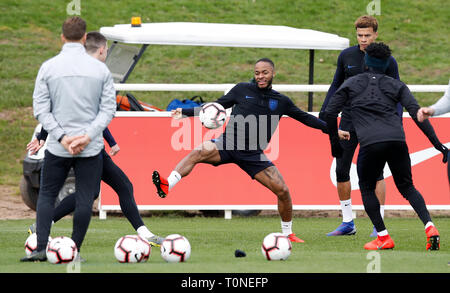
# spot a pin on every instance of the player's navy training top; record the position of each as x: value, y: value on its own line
x: 256, y: 114
x: 373, y: 98
x: 350, y: 63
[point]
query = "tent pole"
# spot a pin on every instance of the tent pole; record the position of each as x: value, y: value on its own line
x: 311, y: 79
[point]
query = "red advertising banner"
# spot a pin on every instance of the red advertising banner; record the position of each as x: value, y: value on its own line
x: 302, y: 155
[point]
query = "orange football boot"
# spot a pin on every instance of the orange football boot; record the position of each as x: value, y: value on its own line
x: 162, y: 185
x: 294, y: 238
x: 433, y: 238
x: 382, y: 242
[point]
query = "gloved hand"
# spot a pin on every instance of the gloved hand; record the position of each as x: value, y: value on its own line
x: 444, y: 150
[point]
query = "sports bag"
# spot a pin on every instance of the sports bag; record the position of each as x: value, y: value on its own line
x: 130, y: 103
x: 186, y: 103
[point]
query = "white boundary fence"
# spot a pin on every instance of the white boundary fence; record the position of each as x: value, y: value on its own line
x: 225, y: 88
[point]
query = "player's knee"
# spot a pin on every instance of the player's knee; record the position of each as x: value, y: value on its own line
x: 127, y: 185
x: 367, y: 187
x: 343, y: 166
x: 203, y: 152
x: 196, y: 155
x: 342, y: 174
x: 282, y: 192
x: 342, y: 177
x: 365, y: 193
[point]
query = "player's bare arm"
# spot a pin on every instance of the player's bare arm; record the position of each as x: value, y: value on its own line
x: 34, y: 146
x: 177, y: 113
x: 424, y: 113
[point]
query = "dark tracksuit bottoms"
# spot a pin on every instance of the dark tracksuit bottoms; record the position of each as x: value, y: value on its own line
x: 371, y: 161
x: 87, y: 182
x: 119, y: 182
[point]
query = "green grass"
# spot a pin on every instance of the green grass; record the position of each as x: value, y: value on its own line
x: 415, y: 30
x: 16, y: 129
x: 214, y: 241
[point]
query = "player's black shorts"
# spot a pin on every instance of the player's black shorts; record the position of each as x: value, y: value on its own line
x: 344, y: 163
x: 371, y: 161
x: 252, y: 162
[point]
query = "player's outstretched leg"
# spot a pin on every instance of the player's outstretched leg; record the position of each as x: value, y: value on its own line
x: 272, y: 179
x: 121, y: 184
x: 418, y: 204
x: 400, y: 165
x: 207, y: 152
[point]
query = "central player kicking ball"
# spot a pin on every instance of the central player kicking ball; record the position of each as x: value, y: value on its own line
x: 243, y: 143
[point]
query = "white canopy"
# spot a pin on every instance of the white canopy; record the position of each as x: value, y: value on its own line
x: 224, y: 35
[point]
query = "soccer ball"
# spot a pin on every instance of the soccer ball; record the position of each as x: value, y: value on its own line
x: 146, y: 248
x: 132, y: 249
x: 175, y: 248
x: 61, y: 250
x: 31, y: 243
x: 212, y: 115
x: 276, y: 246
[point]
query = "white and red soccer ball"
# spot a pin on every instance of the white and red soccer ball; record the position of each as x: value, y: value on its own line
x: 132, y: 249
x: 212, y: 115
x: 175, y: 248
x: 61, y: 250
x: 31, y: 243
x: 276, y: 246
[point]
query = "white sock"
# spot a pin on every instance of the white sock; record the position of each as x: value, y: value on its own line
x: 173, y: 179
x: 383, y: 233
x: 428, y: 224
x: 286, y: 228
x: 346, y: 207
x: 382, y: 211
x: 144, y: 232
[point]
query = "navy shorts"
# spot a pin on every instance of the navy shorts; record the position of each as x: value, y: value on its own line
x: 252, y: 162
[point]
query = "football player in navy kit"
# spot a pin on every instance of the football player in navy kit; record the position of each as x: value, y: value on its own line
x: 243, y: 144
x: 373, y: 97
x: 350, y: 63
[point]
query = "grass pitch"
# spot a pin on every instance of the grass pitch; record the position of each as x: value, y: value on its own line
x: 214, y: 241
